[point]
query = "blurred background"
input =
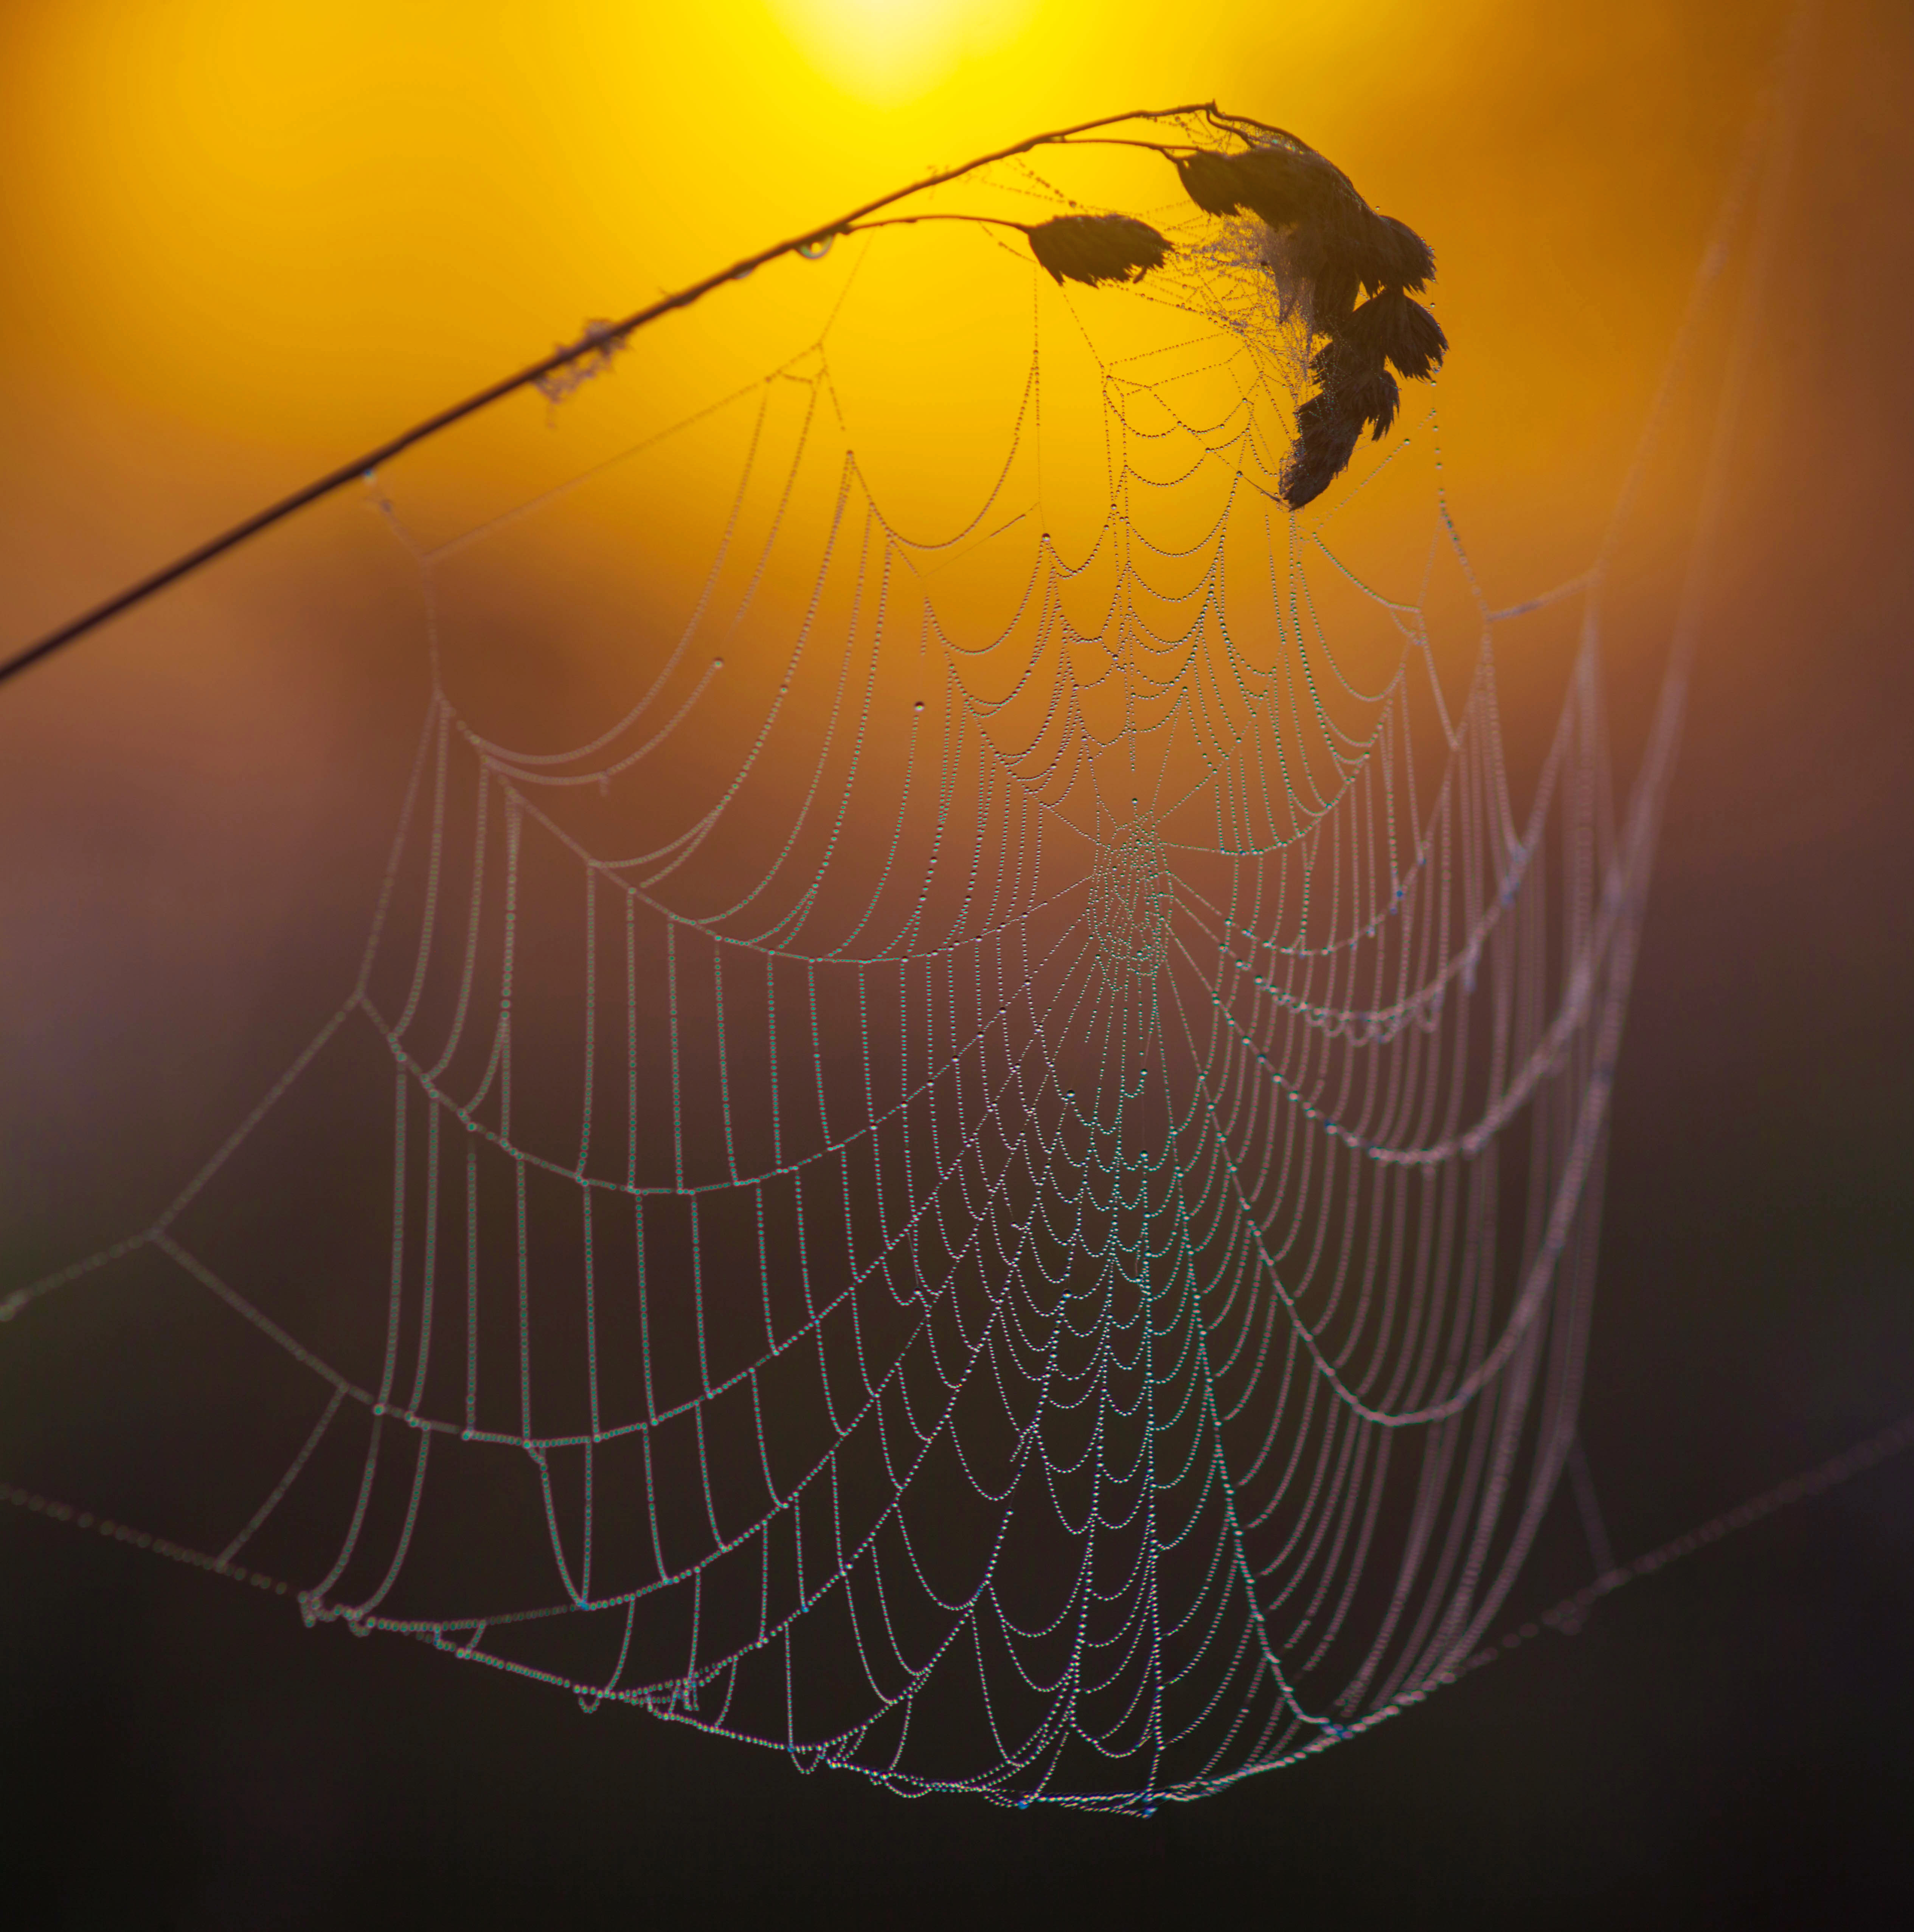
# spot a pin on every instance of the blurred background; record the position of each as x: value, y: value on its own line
x: 241, y: 242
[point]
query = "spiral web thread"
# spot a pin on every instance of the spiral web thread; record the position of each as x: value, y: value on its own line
x: 1016, y: 1212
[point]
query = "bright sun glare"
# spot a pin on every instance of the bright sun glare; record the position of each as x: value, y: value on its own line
x: 890, y: 51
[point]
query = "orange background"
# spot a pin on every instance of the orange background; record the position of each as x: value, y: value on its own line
x: 239, y: 242
x: 244, y: 241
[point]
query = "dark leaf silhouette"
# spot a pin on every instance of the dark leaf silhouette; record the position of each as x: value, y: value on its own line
x: 1289, y: 185
x: 1211, y: 181
x: 1335, y: 249
x: 1380, y: 400
x: 1390, y: 324
x: 1334, y: 276
x: 1377, y: 251
x: 1357, y: 384
x: 1326, y: 438
x: 1095, y: 248
x: 1336, y: 241
x: 1407, y: 261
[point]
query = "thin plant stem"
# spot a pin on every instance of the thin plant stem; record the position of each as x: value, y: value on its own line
x: 597, y: 339
x: 911, y: 221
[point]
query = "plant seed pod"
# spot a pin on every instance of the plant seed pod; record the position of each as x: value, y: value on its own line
x: 1374, y: 396
x: 1326, y: 438
x: 1382, y: 252
x: 1094, y: 248
x: 1210, y: 181
x: 1404, y: 259
x: 1390, y: 325
x: 1352, y: 377
x: 1286, y: 185
x: 1319, y: 252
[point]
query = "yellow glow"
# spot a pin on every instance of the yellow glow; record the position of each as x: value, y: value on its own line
x: 892, y: 51
x: 243, y: 242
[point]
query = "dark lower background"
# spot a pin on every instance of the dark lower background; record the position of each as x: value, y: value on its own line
x: 1726, y: 1746
x: 1727, y: 1743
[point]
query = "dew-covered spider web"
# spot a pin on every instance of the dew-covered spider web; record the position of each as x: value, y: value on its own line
x: 970, y: 1141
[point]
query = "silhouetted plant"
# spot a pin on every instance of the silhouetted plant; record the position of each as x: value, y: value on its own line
x: 1332, y: 248
x: 1392, y: 326
x: 1325, y: 247
x: 1095, y: 248
x: 1351, y: 372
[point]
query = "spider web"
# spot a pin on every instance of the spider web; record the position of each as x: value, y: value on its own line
x: 993, y: 1177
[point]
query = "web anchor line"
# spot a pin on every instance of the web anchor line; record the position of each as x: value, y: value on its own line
x: 1565, y: 1618
x: 1568, y: 1616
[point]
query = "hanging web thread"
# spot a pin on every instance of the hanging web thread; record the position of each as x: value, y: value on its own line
x: 1002, y: 1194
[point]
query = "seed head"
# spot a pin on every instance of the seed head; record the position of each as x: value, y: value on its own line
x: 1352, y: 375
x: 1095, y: 248
x: 1326, y: 437
x: 1211, y: 181
x: 1390, y: 324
